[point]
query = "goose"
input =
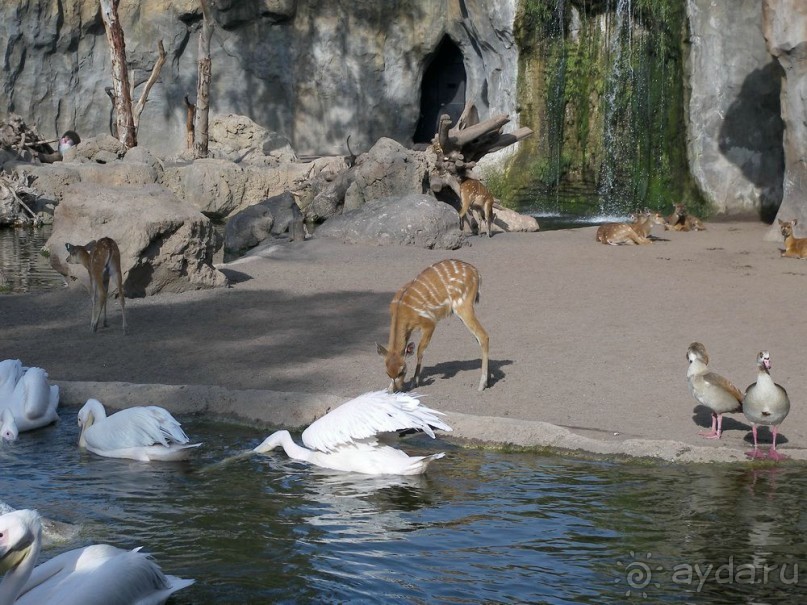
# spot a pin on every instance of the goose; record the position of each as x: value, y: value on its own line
x: 8, y: 428
x: 142, y: 433
x: 765, y: 403
x: 94, y: 575
x: 10, y: 373
x: 344, y: 439
x: 711, y: 389
x: 34, y: 401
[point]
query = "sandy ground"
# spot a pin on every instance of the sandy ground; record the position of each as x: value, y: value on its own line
x: 588, y: 341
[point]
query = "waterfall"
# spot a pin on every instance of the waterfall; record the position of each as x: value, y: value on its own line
x: 601, y: 85
x: 618, y: 122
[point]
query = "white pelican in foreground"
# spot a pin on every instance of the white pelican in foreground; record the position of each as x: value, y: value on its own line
x: 95, y: 575
x: 344, y: 439
x: 33, y: 401
x: 10, y: 373
x: 141, y: 433
x: 8, y: 427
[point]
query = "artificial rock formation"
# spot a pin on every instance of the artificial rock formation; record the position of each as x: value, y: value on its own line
x: 785, y: 27
x: 313, y: 71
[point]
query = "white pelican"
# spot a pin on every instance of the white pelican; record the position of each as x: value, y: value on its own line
x: 95, y: 575
x: 344, y: 439
x: 8, y: 428
x: 34, y: 401
x: 10, y: 373
x: 141, y: 433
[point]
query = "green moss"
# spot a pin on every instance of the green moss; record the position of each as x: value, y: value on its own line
x: 607, y: 118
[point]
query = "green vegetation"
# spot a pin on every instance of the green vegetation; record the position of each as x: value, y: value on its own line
x: 604, y: 96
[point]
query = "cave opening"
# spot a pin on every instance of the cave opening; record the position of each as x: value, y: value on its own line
x: 442, y: 90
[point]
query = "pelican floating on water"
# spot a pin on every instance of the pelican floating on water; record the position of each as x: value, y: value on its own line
x: 141, y: 433
x: 95, y: 575
x: 34, y: 401
x: 344, y: 439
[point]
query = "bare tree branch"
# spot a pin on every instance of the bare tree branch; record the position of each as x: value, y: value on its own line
x: 155, y: 73
x: 124, y: 120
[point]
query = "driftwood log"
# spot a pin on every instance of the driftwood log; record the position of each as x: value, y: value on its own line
x: 461, y: 147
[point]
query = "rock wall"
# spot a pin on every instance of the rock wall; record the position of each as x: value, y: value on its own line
x: 785, y: 27
x: 312, y: 71
x: 734, y: 126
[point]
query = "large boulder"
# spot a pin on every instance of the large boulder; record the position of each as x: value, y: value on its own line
x: 220, y: 188
x: 166, y: 245
x: 273, y: 216
x: 239, y: 139
x: 415, y: 219
x: 388, y: 169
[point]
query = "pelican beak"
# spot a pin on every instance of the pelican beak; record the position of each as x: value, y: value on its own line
x: 12, y: 555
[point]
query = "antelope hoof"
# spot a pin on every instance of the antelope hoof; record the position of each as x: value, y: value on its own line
x: 483, y: 383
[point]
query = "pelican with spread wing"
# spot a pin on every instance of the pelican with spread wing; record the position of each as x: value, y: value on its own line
x: 346, y: 438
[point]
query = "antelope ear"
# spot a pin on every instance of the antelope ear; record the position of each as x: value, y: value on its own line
x: 794, y: 221
x: 410, y: 348
x: 781, y: 222
x: 381, y: 350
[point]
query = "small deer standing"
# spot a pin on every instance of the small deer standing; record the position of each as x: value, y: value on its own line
x: 102, y: 260
x: 475, y: 196
x: 449, y: 286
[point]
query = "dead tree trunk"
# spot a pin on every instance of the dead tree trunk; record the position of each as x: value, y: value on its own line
x: 460, y: 148
x: 203, y: 84
x: 124, y: 118
x: 189, y: 119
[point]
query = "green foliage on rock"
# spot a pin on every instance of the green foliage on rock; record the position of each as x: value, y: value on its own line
x: 603, y: 90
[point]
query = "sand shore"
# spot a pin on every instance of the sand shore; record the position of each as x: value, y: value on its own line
x: 588, y: 341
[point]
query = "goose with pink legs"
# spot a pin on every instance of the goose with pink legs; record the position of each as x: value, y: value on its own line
x: 765, y: 403
x: 711, y: 389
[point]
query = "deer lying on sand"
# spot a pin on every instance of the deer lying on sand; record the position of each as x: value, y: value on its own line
x: 449, y: 286
x: 637, y: 232
x: 681, y: 220
x: 102, y: 260
x: 474, y: 196
x: 795, y: 247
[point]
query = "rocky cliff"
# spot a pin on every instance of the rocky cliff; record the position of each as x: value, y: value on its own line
x: 316, y: 72
x: 313, y: 71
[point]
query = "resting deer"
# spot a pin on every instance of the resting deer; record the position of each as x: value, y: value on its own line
x: 681, y: 220
x: 102, y: 260
x: 450, y: 286
x: 624, y: 233
x: 795, y: 247
x: 475, y: 196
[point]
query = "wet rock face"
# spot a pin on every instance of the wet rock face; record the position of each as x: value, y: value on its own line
x: 314, y: 72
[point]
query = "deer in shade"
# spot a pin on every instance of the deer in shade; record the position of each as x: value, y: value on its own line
x: 102, y: 260
x: 449, y: 286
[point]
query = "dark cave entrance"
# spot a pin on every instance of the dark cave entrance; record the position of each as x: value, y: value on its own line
x: 442, y: 90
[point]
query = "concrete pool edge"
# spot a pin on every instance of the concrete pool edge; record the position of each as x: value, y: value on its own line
x: 298, y: 409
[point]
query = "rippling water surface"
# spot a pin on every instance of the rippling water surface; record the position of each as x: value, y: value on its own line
x: 479, y: 527
x: 22, y: 266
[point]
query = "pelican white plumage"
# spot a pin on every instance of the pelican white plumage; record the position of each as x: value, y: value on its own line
x: 34, y: 400
x: 8, y: 427
x: 345, y: 439
x: 142, y: 433
x: 94, y: 575
x: 10, y: 373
